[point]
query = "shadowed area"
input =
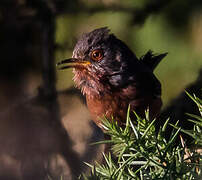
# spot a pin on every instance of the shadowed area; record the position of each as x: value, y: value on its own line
x: 178, y: 108
x: 36, y: 142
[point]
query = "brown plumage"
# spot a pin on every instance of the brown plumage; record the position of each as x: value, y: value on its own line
x: 112, y: 77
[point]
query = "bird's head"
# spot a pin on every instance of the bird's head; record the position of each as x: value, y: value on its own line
x: 99, y: 61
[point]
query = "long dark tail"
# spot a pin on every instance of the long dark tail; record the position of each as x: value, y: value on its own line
x: 151, y: 60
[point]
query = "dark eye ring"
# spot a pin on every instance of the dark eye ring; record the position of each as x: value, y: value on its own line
x: 97, y: 55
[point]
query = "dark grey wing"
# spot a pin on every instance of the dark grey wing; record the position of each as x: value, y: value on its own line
x: 144, y: 84
x: 144, y: 92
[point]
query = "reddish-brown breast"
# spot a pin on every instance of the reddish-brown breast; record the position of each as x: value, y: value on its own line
x: 113, y: 105
x: 106, y: 106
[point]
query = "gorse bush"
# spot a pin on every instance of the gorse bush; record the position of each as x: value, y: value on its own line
x: 138, y: 152
x: 196, y: 133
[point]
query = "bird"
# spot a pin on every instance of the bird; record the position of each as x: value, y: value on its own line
x: 112, y: 78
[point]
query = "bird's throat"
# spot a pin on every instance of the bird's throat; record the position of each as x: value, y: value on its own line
x: 90, y: 85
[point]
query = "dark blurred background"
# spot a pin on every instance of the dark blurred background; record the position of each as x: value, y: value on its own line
x: 45, y: 128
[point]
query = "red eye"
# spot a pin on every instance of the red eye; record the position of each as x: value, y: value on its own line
x: 97, y: 55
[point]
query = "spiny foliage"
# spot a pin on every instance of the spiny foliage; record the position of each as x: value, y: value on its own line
x: 138, y: 152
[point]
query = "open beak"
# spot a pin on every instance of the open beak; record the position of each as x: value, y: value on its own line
x: 72, y: 63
